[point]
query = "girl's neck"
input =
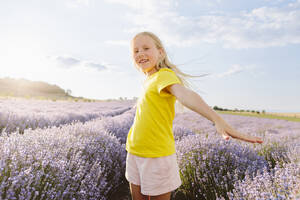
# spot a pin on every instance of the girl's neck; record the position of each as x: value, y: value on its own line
x: 152, y: 71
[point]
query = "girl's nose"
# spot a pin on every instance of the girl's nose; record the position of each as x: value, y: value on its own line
x: 140, y: 55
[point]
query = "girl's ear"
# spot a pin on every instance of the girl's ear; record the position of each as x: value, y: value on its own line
x: 161, y: 52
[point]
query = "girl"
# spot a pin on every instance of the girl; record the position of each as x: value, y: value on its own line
x: 151, y: 165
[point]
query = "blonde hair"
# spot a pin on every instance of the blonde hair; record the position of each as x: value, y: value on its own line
x: 165, y: 62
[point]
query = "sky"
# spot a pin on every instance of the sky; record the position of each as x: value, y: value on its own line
x: 249, y: 49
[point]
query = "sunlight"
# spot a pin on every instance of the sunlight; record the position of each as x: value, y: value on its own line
x: 23, y: 57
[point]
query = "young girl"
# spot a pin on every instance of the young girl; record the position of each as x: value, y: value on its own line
x: 151, y: 165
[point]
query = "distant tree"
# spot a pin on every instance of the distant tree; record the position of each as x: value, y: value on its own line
x: 218, y: 108
x: 69, y: 92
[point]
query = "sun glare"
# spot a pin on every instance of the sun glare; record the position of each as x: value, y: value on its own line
x: 22, y: 57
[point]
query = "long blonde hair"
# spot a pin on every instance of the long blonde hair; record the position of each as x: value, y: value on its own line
x: 165, y: 62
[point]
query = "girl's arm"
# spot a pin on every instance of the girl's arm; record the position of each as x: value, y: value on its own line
x: 193, y: 101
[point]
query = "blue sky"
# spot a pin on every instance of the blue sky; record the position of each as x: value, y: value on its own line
x: 249, y: 48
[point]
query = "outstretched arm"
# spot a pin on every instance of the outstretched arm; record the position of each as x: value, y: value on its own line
x: 193, y: 101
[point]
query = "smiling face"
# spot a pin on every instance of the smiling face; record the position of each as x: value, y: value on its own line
x: 145, y: 53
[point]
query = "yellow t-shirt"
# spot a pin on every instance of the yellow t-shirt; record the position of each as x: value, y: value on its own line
x: 151, y: 134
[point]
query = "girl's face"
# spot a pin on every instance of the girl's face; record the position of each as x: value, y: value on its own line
x: 145, y: 53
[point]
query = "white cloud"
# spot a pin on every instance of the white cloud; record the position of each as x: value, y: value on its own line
x: 97, y: 66
x: 77, y: 3
x: 69, y: 62
x: 257, y: 28
x: 236, y: 69
x: 118, y: 42
x: 231, y: 71
x: 295, y: 4
x: 146, y: 5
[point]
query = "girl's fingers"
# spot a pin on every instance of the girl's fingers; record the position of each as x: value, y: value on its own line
x: 252, y: 139
x: 247, y: 138
x: 259, y: 140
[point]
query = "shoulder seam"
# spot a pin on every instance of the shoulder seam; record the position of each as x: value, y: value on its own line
x: 167, y: 69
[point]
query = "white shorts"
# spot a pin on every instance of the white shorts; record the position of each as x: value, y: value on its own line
x: 156, y: 176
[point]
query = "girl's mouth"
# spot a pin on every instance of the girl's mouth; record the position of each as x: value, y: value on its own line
x: 143, y: 61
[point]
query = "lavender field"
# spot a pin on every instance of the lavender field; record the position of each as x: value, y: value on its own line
x: 76, y: 150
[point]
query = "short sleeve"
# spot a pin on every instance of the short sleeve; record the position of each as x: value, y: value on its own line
x: 166, y: 78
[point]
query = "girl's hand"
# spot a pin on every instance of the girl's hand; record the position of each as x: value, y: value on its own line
x: 227, y: 131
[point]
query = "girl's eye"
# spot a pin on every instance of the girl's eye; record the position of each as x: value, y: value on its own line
x: 146, y: 48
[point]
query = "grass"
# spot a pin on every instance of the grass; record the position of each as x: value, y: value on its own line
x: 270, y: 116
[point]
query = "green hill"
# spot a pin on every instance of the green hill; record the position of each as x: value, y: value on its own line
x: 10, y: 87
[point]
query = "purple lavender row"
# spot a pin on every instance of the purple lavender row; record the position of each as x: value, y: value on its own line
x: 273, y: 131
x: 281, y: 182
x: 73, y: 161
x: 21, y: 114
x: 211, y: 167
x: 244, y: 158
